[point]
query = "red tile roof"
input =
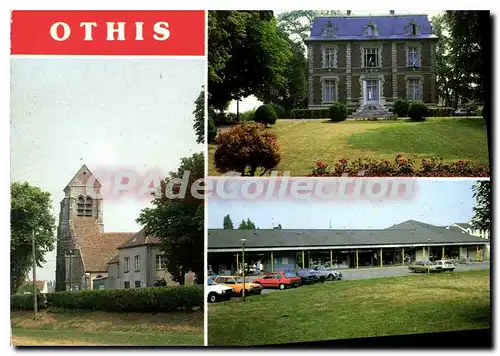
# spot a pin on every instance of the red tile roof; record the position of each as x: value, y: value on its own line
x: 97, y: 248
x: 39, y: 284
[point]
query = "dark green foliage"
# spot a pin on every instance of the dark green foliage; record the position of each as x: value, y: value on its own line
x: 25, y: 301
x: 441, y: 112
x: 338, y: 112
x: 199, y: 117
x: 246, y: 225
x: 157, y: 299
x: 401, y: 107
x: 228, y: 223
x: 418, y: 111
x: 482, y: 211
x: 310, y: 114
x: 280, y: 113
x: 265, y: 114
x: 212, y: 131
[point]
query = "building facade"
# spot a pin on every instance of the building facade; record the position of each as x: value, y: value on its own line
x: 371, y: 61
x: 279, y: 250
x: 86, y: 254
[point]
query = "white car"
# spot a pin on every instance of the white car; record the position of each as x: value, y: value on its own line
x: 217, y: 292
x: 445, y: 265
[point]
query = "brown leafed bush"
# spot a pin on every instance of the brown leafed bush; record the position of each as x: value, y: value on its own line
x: 246, y: 148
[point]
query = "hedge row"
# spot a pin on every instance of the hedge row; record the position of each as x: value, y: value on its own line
x: 313, y: 113
x: 158, y: 299
x: 400, y: 166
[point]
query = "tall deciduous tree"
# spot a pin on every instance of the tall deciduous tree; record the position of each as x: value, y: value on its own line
x: 199, y: 117
x: 228, y: 224
x: 482, y: 210
x: 179, y: 222
x: 246, y: 56
x: 30, y: 213
x: 247, y: 225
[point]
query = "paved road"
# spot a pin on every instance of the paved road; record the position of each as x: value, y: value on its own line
x: 350, y: 274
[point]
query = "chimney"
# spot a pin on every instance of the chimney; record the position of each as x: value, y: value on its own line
x: 348, y: 12
x: 391, y: 12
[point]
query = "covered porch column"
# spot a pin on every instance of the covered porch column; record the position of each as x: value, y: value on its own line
x: 303, y: 259
x: 403, y: 255
x: 381, y: 257
x: 272, y: 261
x: 331, y: 258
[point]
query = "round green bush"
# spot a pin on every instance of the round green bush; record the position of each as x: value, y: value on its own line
x: 338, y: 112
x: 265, y: 114
x: 418, y: 112
x: 278, y: 110
x: 401, y: 108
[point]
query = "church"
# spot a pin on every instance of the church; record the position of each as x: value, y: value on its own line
x: 90, y: 258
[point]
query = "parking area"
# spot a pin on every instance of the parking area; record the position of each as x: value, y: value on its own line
x: 367, y: 273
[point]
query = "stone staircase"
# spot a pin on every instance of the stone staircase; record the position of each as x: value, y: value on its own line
x: 371, y: 111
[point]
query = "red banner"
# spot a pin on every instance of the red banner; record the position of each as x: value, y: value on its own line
x: 161, y: 33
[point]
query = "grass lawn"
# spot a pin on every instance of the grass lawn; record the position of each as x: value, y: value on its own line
x: 305, y: 142
x: 103, y: 329
x: 347, y: 309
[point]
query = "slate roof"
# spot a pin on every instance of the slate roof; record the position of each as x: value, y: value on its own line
x: 410, y: 232
x: 352, y: 27
x: 464, y: 225
x: 97, y: 248
x: 140, y: 239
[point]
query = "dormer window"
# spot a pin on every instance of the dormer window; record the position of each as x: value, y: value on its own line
x: 329, y: 30
x: 412, y: 29
x: 371, y: 29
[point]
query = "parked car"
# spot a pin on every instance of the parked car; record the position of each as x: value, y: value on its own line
x: 217, y: 292
x: 424, y: 266
x: 446, y: 265
x: 280, y: 280
x: 236, y: 283
x: 463, y: 112
x: 334, y: 274
x: 308, y: 276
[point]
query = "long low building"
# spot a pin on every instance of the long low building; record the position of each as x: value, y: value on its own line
x: 277, y: 249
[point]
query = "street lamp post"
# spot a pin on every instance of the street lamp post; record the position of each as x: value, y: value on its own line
x: 429, y: 255
x: 243, y: 241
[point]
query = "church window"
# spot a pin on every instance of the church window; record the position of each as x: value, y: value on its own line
x: 88, y: 206
x: 80, y: 206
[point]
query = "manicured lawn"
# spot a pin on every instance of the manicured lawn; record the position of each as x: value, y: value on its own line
x: 348, y: 309
x: 101, y: 329
x: 305, y: 142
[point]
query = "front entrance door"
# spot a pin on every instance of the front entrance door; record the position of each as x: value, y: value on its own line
x: 372, y: 92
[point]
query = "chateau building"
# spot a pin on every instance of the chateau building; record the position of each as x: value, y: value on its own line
x: 368, y: 62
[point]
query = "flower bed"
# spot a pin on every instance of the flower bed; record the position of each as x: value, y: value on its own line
x: 400, y: 166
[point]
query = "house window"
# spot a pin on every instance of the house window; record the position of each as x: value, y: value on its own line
x: 88, y: 206
x: 137, y: 263
x: 370, y: 31
x: 80, y: 206
x: 371, y: 57
x: 414, y: 92
x: 413, y: 29
x: 328, y: 91
x: 161, y: 262
x: 137, y: 284
x: 126, y: 284
x: 126, y: 264
x: 413, y: 60
x: 329, y: 58
x: 329, y: 30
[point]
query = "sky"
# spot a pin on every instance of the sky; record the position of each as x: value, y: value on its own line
x: 113, y: 111
x: 436, y: 202
x: 252, y: 102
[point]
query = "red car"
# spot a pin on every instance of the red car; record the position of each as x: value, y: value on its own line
x: 279, y: 280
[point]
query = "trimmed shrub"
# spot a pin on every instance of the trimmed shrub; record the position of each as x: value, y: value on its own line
x: 310, y: 114
x: 400, y: 108
x: 25, y: 301
x: 280, y: 112
x: 211, y: 131
x: 245, y: 148
x: 157, y: 299
x: 400, y: 166
x: 418, y: 112
x: 265, y: 114
x: 441, y: 112
x: 338, y: 112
